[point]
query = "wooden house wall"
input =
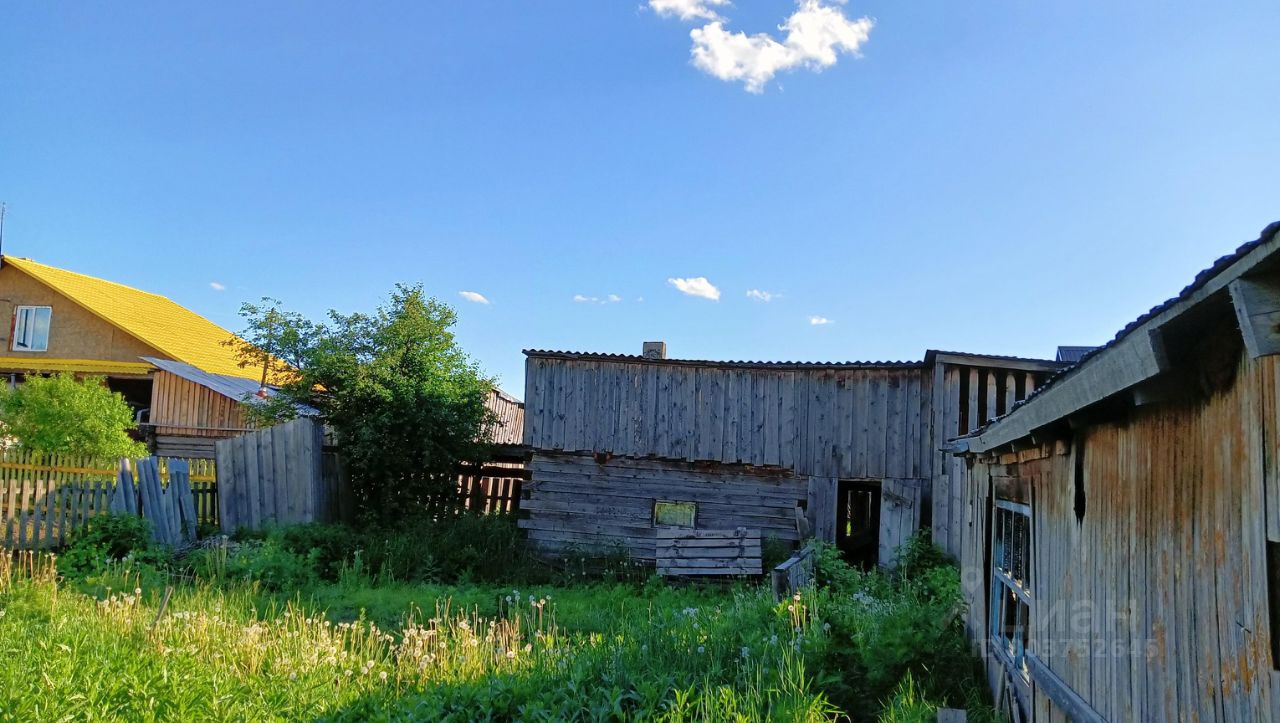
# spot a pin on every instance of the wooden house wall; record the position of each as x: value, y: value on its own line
x: 870, y: 423
x: 573, y: 500
x: 183, y: 408
x: 508, y: 423
x: 969, y: 397
x: 1154, y: 604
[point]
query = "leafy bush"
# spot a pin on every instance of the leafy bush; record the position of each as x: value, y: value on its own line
x: 272, y: 565
x: 107, y: 538
x: 891, y: 626
x: 66, y: 415
x: 774, y: 552
x: 919, y: 555
x: 405, y: 401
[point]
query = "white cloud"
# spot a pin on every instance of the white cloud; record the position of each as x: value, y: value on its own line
x: 696, y: 286
x: 815, y: 36
x: 819, y: 321
x: 583, y: 299
x: 473, y: 297
x: 216, y: 286
x: 688, y: 9
x: 761, y: 295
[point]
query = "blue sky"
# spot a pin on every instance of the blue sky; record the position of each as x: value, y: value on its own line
x: 999, y: 177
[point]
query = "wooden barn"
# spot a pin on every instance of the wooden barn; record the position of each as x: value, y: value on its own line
x: 1121, y: 551
x: 626, y: 449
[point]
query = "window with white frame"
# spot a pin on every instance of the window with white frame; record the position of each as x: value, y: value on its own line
x: 31, y: 328
x: 1011, y: 600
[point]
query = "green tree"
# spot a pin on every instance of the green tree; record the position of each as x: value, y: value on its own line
x: 406, y: 403
x: 65, y: 415
x: 274, y: 340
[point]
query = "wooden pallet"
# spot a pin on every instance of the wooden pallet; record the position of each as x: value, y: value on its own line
x: 708, y: 552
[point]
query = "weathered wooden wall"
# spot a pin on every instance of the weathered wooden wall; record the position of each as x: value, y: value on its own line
x: 573, y: 500
x: 1152, y: 604
x: 275, y: 476
x: 969, y: 396
x: 849, y: 421
x: 508, y: 422
x: 183, y: 408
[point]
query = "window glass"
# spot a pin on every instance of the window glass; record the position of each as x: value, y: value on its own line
x: 1011, y: 581
x: 31, y: 328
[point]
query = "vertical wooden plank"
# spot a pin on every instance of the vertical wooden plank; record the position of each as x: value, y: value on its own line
x: 787, y: 419
x: 266, y: 470
x: 224, y: 485
x: 730, y: 416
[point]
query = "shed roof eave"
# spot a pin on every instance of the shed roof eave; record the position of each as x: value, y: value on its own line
x: 1135, y: 356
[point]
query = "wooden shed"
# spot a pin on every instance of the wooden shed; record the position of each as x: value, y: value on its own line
x: 851, y: 452
x: 1123, y: 554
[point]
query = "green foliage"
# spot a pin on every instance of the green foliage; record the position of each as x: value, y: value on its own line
x: 406, y: 403
x: 462, y: 548
x: 265, y: 562
x: 908, y: 705
x: 64, y: 415
x: 577, y: 654
x: 919, y: 555
x: 274, y: 341
x: 888, y: 627
x: 104, y: 539
x: 774, y: 552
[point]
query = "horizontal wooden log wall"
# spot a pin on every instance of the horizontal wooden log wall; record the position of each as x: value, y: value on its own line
x: 1154, y: 604
x: 836, y: 422
x: 572, y: 500
x: 708, y: 552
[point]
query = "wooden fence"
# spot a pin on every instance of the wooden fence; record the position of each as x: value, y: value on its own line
x: 490, y: 488
x: 171, y: 508
x: 275, y: 476
x: 44, y: 497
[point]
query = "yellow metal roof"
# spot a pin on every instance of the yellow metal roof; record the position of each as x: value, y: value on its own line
x: 85, y: 366
x: 174, y: 330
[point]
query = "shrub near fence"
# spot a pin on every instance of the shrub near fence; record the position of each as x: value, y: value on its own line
x: 44, y: 497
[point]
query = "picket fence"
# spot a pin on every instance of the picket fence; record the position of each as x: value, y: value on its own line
x: 44, y: 497
x: 491, y: 489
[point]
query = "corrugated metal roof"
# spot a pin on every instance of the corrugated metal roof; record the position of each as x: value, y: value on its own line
x: 1073, y: 354
x: 233, y: 387
x: 992, y: 357
x: 158, y: 322
x: 637, y: 359
x: 1201, y: 279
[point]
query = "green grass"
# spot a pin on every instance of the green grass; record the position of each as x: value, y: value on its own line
x: 588, y: 653
x: 298, y: 626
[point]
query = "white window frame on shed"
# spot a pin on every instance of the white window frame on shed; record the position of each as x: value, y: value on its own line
x: 1011, y: 583
x: 30, y: 330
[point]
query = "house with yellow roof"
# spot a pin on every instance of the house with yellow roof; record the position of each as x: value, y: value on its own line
x: 171, y: 364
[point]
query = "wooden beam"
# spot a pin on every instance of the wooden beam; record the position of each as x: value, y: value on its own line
x: 1136, y: 358
x: 1257, y: 304
x: 1066, y: 699
x: 997, y: 362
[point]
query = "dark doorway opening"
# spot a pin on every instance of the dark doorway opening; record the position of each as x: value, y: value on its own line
x: 858, y: 522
